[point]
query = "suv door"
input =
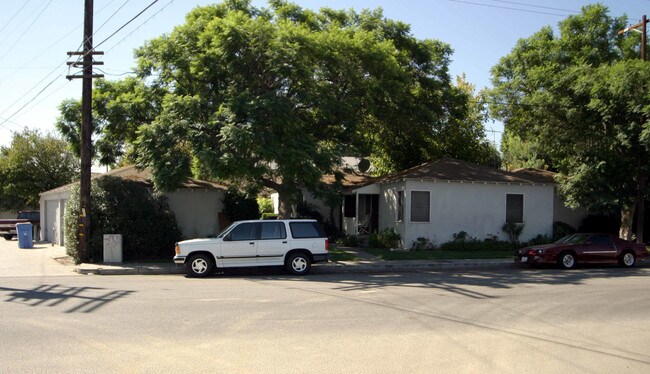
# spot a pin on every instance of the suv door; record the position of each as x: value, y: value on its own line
x: 239, y: 247
x: 273, y: 243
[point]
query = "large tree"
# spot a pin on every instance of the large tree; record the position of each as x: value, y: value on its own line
x: 32, y: 164
x: 274, y: 97
x: 579, y: 97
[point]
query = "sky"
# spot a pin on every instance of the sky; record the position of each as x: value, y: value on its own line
x: 35, y: 36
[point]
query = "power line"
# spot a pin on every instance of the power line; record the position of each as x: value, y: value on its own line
x: 14, y: 16
x: 142, y: 24
x: 508, y: 8
x: 535, y: 6
x: 32, y: 99
x: 27, y: 29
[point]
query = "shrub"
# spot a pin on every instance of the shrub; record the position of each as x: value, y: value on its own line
x: 239, y: 207
x: 477, y: 245
x: 348, y: 241
x: 513, y: 230
x: 270, y: 216
x: 538, y: 240
x: 148, y: 227
x: 422, y: 244
x: 387, y: 238
x: 306, y: 210
x: 265, y: 205
x: 561, y: 229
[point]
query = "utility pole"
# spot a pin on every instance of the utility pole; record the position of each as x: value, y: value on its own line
x: 640, y: 209
x: 86, y: 127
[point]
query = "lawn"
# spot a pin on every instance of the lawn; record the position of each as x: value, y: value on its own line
x: 387, y: 254
x: 340, y: 255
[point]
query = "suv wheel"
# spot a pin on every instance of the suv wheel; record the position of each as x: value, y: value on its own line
x: 298, y: 263
x: 200, y: 266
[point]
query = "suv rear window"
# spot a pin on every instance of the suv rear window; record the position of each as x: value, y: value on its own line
x: 302, y: 230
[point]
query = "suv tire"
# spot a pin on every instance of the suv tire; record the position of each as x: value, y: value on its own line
x: 298, y: 263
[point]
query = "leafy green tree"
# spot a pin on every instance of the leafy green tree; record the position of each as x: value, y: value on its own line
x: 274, y: 97
x: 518, y: 153
x: 32, y: 164
x: 574, y: 96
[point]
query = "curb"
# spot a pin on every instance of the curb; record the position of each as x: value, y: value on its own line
x: 329, y: 268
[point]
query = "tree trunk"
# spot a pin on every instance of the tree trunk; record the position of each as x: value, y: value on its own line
x: 287, y: 208
x: 640, y: 210
x: 627, y: 216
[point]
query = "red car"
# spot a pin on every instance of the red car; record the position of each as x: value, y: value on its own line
x: 584, y: 249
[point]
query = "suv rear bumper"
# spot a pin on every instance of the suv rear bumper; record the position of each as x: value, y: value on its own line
x: 321, y: 257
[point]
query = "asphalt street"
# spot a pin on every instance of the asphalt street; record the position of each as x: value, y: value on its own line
x: 489, y: 321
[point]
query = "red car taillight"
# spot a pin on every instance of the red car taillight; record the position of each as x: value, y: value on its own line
x: 327, y: 244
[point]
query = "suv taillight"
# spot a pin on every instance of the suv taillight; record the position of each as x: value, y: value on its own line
x: 178, y: 249
x: 327, y: 244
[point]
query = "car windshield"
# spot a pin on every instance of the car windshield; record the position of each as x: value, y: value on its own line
x: 226, y: 230
x: 573, y: 239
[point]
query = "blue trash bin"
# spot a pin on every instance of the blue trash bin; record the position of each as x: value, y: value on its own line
x: 24, y: 232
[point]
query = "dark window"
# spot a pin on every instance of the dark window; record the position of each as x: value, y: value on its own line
x: 273, y: 230
x: 301, y: 230
x: 600, y: 239
x: 350, y: 206
x: 514, y: 208
x: 400, y: 205
x: 420, y: 206
x: 245, y: 231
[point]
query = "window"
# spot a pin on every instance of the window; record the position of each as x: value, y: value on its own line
x: 514, y: 208
x: 273, y: 230
x: 400, y: 206
x: 420, y: 206
x: 245, y: 231
x: 302, y: 230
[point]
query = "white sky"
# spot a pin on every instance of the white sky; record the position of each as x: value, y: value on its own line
x: 36, y: 34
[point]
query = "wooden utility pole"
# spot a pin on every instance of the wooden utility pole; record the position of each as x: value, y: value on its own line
x: 86, y: 128
x: 640, y: 209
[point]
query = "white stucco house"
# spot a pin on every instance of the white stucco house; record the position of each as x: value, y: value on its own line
x: 435, y: 200
x: 195, y: 203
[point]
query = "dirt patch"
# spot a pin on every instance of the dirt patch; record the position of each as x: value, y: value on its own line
x: 65, y: 260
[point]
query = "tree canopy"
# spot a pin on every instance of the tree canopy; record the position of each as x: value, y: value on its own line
x: 274, y: 97
x: 579, y: 99
x: 32, y: 164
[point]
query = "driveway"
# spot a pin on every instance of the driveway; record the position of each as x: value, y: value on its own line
x: 33, y: 262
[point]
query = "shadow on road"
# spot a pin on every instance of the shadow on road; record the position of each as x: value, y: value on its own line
x: 466, y: 283
x: 84, y: 299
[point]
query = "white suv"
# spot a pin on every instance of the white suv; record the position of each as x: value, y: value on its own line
x: 294, y: 244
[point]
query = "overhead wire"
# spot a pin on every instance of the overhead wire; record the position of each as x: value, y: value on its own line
x: 14, y: 16
x: 508, y: 8
x: 142, y: 24
x: 26, y: 30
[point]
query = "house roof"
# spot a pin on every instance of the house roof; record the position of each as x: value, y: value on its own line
x: 351, y: 179
x: 449, y: 169
x: 143, y: 176
x: 536, y: 175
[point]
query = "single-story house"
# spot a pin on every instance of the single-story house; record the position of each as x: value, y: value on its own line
x: 438, y: 199
x: 195, y: 203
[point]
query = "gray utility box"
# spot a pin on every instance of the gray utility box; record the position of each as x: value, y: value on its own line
x: 113, y: 248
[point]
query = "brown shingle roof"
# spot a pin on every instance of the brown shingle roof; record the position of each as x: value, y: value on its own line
x: 144, y: 176
x: 448, y: 169
x: 536, y: 175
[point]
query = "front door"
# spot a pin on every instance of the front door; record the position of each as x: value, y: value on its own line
x: 239, y: 247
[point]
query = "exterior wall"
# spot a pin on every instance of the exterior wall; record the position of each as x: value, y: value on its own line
x: 197, y: 211
x: 476, y: 208
x: 52, y: 208
x: 561, y: 213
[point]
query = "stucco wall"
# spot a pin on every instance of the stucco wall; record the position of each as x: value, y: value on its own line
x: 478, y: 209
x: 197, y: 211
x: 561, y: 213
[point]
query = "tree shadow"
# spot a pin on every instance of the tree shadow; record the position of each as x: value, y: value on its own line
x: 84, y: 299
x: 472, y: 283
